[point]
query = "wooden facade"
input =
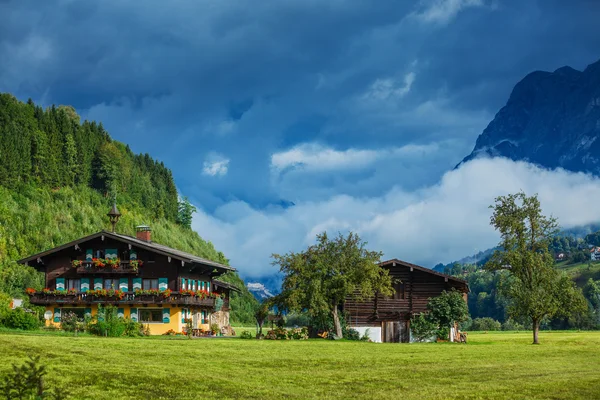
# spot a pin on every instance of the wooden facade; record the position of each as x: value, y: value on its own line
x: 389, y: 317
x: 169, y: 282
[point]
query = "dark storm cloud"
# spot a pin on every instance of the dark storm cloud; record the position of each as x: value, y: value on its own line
x: 199, y: 82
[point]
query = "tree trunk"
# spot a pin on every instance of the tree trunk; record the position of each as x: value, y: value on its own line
x: 536, y: 330
x: 336, y: 322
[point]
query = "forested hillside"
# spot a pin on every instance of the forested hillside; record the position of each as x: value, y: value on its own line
x: 58, y: 179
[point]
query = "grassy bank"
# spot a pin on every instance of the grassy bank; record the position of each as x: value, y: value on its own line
x: 502, y: 365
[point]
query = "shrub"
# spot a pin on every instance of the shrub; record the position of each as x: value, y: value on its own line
x: 443, y: 333
x: 422, y: 328
x: 20, y: 319
x: 27, y: 382
x: 214, y: 328
x: 107, y: 323
x: 69, y: 322
x: 485, y: 324
x: 365, y: 337
x: 351, y: 334
x: 283, y: 334
x: 511, y: 325
x: 246, y: 335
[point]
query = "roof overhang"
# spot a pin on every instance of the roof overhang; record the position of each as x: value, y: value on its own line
x: 395, y: 261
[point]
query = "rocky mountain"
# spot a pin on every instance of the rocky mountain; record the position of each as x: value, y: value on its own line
x: 259, y: 290
x: 551, y: 119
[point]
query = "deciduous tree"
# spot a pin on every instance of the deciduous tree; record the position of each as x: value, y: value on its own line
x: 535, y: 289
x: 320, y: 278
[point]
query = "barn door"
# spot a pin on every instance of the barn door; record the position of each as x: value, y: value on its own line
x: 391, y: 331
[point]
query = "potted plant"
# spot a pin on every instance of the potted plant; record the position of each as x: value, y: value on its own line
x: 98, y: 262
x: 135, y: 264
x: 30, y: 291
x: 77, y: 263
x: 113, y: 263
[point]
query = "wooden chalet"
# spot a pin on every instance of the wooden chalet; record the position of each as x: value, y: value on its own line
x: 388, y: 318
x: 148, y: 282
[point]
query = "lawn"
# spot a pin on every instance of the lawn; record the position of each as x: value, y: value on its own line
x: 493, y: 365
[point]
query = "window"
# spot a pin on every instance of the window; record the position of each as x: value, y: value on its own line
x: 398, y: 290
x: 79, y: 312
x: 150, y: 315
x: 73, y: 284
x: 99, y: 254
x: 148, y: 284
x: 111, y: 284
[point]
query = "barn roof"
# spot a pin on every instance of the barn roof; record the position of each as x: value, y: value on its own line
x: 395, y: 261
x: 152, y: 246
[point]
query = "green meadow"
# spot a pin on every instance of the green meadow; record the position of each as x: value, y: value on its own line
x: 494, y: 365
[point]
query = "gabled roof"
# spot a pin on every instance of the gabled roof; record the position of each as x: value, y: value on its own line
x: 152, y: 246
x: 418, y: 267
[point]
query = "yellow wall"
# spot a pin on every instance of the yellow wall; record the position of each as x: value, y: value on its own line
x: 156, y: 328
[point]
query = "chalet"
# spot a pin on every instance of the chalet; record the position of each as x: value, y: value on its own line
x: 148, y: 282
x: 595, y: 253
x: 388, y: 318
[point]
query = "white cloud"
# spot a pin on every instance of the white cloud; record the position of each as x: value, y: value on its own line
x: 215, y: 165
x: 443, y: 11
x: 315, y: 157
x: 440, y: 223
x: 389, y: 88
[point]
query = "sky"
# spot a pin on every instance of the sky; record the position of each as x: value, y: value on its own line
x: 283, y: 119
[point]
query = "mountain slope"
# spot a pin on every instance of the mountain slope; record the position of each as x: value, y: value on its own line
x: 551, y: 119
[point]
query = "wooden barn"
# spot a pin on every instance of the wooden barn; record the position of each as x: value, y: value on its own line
x: 387, y: 318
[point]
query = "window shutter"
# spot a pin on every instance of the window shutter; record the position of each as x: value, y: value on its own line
x: 137, y: 284
x: 208, y: 287
x: 57, y: 315
x: 120, y: 313
x: 182, y: 283
x: 87, y: 312
x: 110, y: 254
x: 163, y: 284
x: 85, y: 284
x: 124, y: 284
x: 194, y: 285
x: 166, y: 315
x: 133, y: 314
x: 89, y: 254
x: 183, y: 312
x: 97, y: 283
x: 133, y: 255
x: 202, y: 286
x: 60, y: 283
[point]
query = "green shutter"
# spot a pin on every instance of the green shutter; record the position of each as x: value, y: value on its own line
x: 182, y: 283
x: 57, y: 315
x: 89, y: 254
x: 85, y: 284
x: 133, y: 255
x: 133, y: 314
x: 183, y: 315
x: 97, y: 283
x: 166, y: 315
x: 202, y: 286
x: 110, y: 254
x: 124, y: 284
x: 87, y: 312
x: 60, y: 283
x: 137, y: 284
x: 163, y: 284
x: 208, y: 286
x: 120, y: 313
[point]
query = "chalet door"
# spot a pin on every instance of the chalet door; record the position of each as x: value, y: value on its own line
x: 391, y: 331
x: 195, y: 319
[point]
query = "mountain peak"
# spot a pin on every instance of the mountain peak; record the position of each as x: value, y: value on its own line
x: 551, y: 119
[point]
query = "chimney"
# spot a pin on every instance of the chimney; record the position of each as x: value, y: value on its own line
x: 143, y: 232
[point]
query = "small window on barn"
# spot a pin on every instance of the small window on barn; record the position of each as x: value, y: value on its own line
x: 399, y: 290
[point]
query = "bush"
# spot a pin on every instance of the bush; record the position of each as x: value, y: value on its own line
x: 485, y: 324
x: 107, y: 323
x: 511, y: 325
x: 284, y: 334
x: 351, y: 334
x: 20, y: 319
x: 69, y: 322
x: 27, y: 382
x: 246, y: 335
x: 422, y: 328
x: 443, y: 333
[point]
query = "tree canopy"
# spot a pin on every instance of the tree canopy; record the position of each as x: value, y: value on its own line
x: 534, y: 288
x: 319, y: 279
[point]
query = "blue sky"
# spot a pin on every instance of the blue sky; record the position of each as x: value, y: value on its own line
x: 354, y: 111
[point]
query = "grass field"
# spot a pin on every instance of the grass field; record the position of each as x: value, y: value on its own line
x: 495, y: 365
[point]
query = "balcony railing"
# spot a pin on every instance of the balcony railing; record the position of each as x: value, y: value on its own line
x: 129, y: 298
x: 123, y: 268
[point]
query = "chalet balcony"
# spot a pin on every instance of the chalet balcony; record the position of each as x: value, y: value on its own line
x: 129, y: 298
x: 124, y: 267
